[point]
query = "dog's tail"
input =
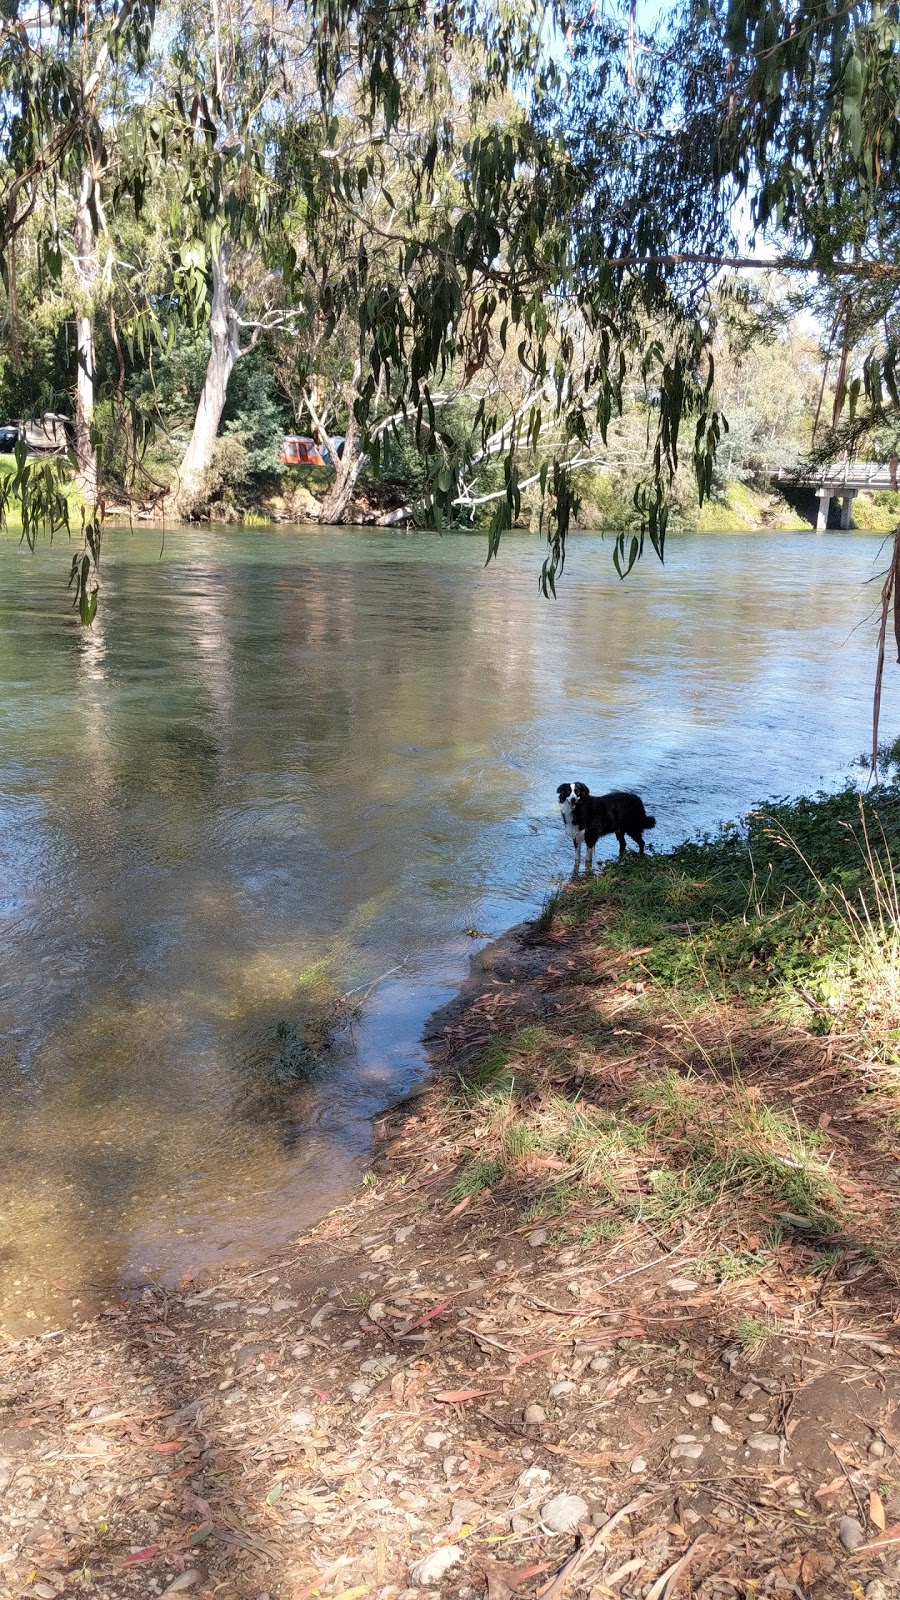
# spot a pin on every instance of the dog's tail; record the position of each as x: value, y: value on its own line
x: 649, y: 822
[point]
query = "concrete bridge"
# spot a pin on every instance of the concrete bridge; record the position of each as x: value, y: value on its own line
x: 839, y: 483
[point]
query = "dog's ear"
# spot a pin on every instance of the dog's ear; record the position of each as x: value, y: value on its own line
x: 582, y: 790
x: 561, y: 791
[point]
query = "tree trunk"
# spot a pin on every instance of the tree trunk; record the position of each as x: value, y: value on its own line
x: 223, y: 353
x: 351, y: 462
x: 348, y: 468
x: 86, y: 272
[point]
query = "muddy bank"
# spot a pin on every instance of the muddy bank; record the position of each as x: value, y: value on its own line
x: 446, y: 1390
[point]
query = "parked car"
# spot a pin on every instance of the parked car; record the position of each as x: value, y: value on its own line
x: 9, y: 438
x: 298, y: 450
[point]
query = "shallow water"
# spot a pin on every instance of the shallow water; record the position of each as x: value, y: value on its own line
x: 290, y: 760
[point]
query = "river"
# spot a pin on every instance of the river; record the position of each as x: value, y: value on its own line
x: 288, y: 764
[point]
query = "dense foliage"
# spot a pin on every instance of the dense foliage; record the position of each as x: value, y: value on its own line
x: 475, y: 236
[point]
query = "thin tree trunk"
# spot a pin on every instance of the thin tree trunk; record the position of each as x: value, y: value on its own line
x: 348, y: 468
x: 350, y: 463
x: 86, y: 272
x: 223, y: 353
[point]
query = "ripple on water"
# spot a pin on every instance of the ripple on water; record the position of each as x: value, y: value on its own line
x: 283, y: 766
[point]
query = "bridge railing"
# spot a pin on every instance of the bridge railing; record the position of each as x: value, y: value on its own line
x: 849, y: 475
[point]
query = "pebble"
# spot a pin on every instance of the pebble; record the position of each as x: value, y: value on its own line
x: 500, y: 1266
x: 683, y: 1285
x: 876, y: 1448
x: 686, y: 1452
x: 518, y: 1523
x: 696, y: 1399
x: 402, y: 1234
x: 435, y: 1440
x: 876, y: 1590
x: 767, y: 1443
x: 185, y: 1580
x: 564, y: 1512
x: 685, y: 1438
x: 432, y: 1568
x: 45, y: 1591
x: 359, y: 1390
x: 748, y: 1390
x: 757, y: 1416
x: 718, y: 1426
x: 465, y: 1511
x: 538, y: 1238
x: 851, y: 1533
x: 534, y: 1415
x: 323, y: 1313
x: 565, y: 1386
x: 637, y: 1465
x: 600, y: 1364
x: 301, y: 1418
x: 771, y: 1385
x: 531, y: 1476
x: 567, y: 1257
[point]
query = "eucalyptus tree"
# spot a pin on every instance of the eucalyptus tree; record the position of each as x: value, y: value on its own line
x: 64, y: 76
x: 579, y: 234
x: 241, y: 128
x: 798, y: 105
x: 62, y: 65
x: 364, y: 253
x: 800, y: 102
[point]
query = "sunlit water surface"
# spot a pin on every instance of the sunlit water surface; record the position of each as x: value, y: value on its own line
x: 282, y: 761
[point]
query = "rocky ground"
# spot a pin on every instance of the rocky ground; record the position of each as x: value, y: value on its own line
x: 444, y: 1391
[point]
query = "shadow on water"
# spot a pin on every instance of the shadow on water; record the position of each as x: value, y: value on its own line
x: 282, y: 765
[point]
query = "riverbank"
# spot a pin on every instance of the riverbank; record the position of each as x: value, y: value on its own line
x: 614, y: 1312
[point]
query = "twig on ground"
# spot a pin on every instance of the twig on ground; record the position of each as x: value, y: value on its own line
x: 586, y: 1550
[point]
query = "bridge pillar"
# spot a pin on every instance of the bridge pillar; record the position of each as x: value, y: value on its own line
x: 824, y: 498
x: 847, y: 507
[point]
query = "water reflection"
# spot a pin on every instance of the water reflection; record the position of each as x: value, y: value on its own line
x: 282, y: 764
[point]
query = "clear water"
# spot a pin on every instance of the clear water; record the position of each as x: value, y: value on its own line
x: 295, y: 757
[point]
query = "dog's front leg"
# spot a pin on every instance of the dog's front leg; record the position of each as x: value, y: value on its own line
x: 589, y: 858
x: 577, y: 867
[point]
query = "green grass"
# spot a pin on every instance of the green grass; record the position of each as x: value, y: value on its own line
x: 476, y: 1175
x: 677, y: 1144
x: 792, y: 917
x: 754, y: 1333
x: 796, y: 908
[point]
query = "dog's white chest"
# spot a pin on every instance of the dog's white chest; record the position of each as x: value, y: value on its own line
x: 575, y: 834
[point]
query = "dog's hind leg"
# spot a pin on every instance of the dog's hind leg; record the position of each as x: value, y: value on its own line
x: 639, y: 841
x: 621, y: 839
x: 589, y: 858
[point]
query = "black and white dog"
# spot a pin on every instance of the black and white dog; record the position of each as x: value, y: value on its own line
x: 588, y: 817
